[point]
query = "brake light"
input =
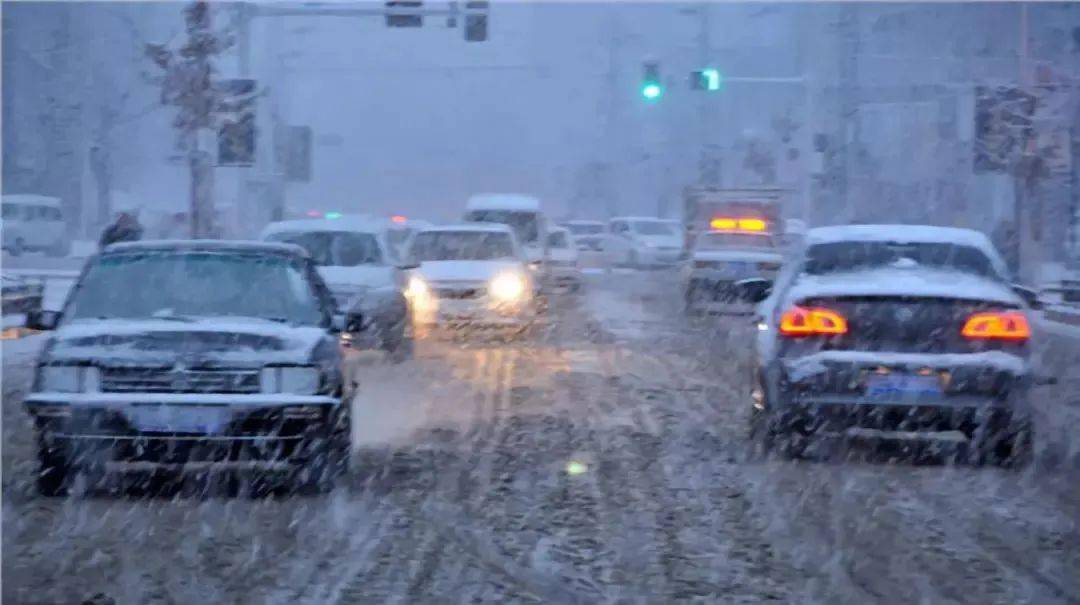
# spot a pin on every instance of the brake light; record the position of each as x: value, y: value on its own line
x: 398, y: 219
x: 799, y: 321
x: 1003, y: 325
x: 723, y: 223
x: 751, y: 224
x: 737, y: 224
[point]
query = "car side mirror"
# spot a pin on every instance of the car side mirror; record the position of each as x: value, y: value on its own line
x: 1030, y: 296
x: 42, y: 320
x: 354, y: 322
x: 753, y: 290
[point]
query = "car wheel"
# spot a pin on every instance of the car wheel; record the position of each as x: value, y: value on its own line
x: 330, y: 461
x: 54, y: 472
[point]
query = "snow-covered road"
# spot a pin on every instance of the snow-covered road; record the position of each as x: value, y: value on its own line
x: 603, y: 460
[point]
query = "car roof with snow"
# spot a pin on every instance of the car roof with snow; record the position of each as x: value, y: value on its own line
x: 360, y: 224
x: 503, y: 201
x: 651, y: 219
x: 211, y: 245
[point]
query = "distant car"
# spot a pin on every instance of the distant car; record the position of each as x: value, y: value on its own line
x: 474, y: 273
x: 20, y: 295
x: 718, y: 261
x: 191, y: 357
x: 643, y: 242
x: 589, y: 235
x: 894, y: 330
x: 34, y: 223
x: 361, y: 268
x: 563, y: 265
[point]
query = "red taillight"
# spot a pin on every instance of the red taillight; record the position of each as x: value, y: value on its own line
x: 1004, y: 325
x: 799, y: 321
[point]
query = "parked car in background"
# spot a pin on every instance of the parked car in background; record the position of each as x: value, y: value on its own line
x: 356, y: 261
x: 893, y: 331
x: 643, y: 242
x: 192, y: 357
x: 34, y: 223
x: 589, y: 235
x: 563, y: 265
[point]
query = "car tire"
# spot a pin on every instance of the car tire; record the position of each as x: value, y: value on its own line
x: 54, y: 471
x: 319, y: 475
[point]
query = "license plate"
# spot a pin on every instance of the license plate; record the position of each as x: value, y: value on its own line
x: 900, y: 387
x: 179, y: 419
x: 736, y: 270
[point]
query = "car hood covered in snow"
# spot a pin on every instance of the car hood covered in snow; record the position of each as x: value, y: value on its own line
x: 233, y: 342
x: 465, y: 270
x: 917, y: 282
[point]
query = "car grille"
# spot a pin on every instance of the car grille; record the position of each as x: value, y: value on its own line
x: 459, y: 293
x: 171, y: 380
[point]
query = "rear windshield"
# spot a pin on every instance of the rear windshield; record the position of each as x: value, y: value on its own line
x: 837, y: 257
x: 461, y: 245
x: 336, y: 248
x: 653, y: 228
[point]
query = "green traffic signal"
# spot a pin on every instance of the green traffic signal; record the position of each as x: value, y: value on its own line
x: 652, y: 91
x: 711, y: 79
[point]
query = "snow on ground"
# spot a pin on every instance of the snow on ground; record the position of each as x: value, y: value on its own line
x: 574, y: 466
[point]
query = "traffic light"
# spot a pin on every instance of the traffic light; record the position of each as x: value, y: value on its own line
x: 709, y: 79
x: 651, y: 86
x: 476, y: 20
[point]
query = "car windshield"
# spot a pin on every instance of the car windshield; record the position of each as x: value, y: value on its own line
x: 718, y: 240
x: 653, y: 228
x: 167, y: 284
x: 558, y: 239
x: 838, y: 257
x: 336, y: 248
x: 525, y: 224
x: 461, y: 245
x: 585, y: 229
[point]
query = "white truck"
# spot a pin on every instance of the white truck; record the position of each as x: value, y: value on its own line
x: 733, y: 236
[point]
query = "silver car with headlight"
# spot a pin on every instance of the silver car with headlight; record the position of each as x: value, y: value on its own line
x: 192, y: 356
x: 474, y: 273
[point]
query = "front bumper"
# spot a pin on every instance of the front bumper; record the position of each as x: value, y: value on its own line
x: 476, y: 311
x: 267, y: 432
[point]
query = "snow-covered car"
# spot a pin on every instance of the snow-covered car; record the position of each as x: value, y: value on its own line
x: 34, y: 222
x: 896, y: 331
x: 362, y: 270
x: 563, y: 262
x: 720, y: 260
x: 589, y: 235
x: 192, y: 356
x: 643, y: 242
x: 474, y: 273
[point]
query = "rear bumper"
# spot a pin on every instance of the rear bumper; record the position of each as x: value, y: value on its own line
x: 970, y: 393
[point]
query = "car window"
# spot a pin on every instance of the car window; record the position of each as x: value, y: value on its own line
x: 12, y: 211
x: 197, y: 284
x: 52, y: 214
x: 653, y: 228
x: 461, y: 245
x: 837, y: 257
x: 558, y: 239
x: 336, y: 248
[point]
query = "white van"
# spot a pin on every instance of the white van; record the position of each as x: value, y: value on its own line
x: 519, y: 212
x: 34, y: 222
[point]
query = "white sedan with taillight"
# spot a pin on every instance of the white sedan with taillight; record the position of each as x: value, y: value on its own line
x: 894, y: 331
x: 473, y: 273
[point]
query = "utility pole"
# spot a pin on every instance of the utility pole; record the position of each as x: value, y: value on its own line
x: 709, y: 166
